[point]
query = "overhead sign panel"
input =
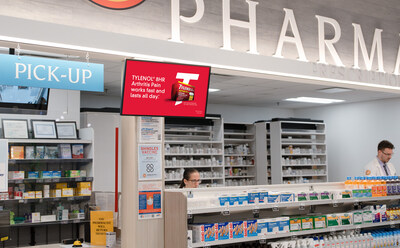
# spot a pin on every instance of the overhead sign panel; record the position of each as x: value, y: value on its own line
x: 51, y: 73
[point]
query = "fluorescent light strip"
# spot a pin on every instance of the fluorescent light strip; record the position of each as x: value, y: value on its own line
x: 213, y: 90
x: 314, y: 100
x: 129, y: 55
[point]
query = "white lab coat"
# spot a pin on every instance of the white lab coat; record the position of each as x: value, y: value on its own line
x: 374, y: 169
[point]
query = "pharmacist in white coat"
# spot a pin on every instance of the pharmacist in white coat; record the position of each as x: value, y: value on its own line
x: 380, y: 165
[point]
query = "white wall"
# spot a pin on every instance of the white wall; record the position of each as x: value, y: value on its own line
x: 247, y: 114
x: 97, y: 101
x: 354, y: 131
x: 62, y: 104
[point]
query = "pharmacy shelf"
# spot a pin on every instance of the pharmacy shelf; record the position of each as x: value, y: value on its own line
x: 239, y: 155
x: 306, y: 175
x: 51, y: 180
x: 243, y: 165
x: 176, y: 130
x: 193, y: 166
x: 75, y: 221
x: 234, y: 177
x: 192, y: 142
x: 202, y: 179
x: 49, y: 141
x: 193, y: 154
x: 51, y: 199
x: 238, y: 134
x: 291, y: 165
x: 302, y: 143
x: 304, y: 154
x: 302, y: 133
x: 50, y: 160
x: 293, y: 234
x: 228, y: 140
x: 250, y: 207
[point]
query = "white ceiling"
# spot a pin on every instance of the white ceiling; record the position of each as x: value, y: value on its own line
x: 235, y: 89
x: 252, y: 91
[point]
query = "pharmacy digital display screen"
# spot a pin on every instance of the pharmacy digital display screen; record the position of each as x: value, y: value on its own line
x: 165, y: 89
x: 23, y: 100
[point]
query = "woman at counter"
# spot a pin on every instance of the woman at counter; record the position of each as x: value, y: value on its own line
x: 191, y: 178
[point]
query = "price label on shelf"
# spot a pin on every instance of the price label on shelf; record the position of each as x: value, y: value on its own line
x: 256, y: 209
x: 19, y: 181
x: 76, y: 221
x: 207, y: 245
x: 64, y: 222
x: 47, y: 180
x: 56, y: 180
x: 70, y: 198
x: 356, y: 202
x: 392, y: 224
x: 275, y: 208
x: 39, y: 180
x: 302, y: 207
x: 225, y: 212
x: 79, y: 179
x: 263, y: 241
x: 335, y: 203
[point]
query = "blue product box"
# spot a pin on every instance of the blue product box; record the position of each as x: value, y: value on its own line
x: 287, y: 197
x: 253, y: 197
x: 223, y: 231
x: 273, y: 198
x: 238, y: 229
x: 243, y: 199
x: 233, y: 199
x: 273, y: 226
x: 284, y: 225
x: 223, y: 200
x: 33, y: 174
x: 56, y: 174
x: 252, y: 228
x: 46, y: 174
x: 262, y: 226
x: 263, y: 196
x: 209, y: 232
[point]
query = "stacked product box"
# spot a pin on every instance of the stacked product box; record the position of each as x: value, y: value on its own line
x: 83, y: 189
x: 238, y: 229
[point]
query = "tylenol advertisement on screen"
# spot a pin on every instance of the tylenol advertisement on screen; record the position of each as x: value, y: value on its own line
x: 162, y: 89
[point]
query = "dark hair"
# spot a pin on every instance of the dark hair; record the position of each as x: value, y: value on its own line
x: 186, y: 175
x: 385, y: 144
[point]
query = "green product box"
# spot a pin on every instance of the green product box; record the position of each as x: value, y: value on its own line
x: 319, y: 222
x: 346, y: 194
x: 295, y: 224
x: 368, y: 216
x: 325, y: 195
x: 357, y: 217
x: 307, y: 223
x: 72, y: 173
x: 302, y: 196
x: 332, y: 220
x: 346, y: 219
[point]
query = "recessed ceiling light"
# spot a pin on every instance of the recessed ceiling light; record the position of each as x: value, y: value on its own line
x: 314, y: 100
x: 334, y: 90
x: 213, y: 90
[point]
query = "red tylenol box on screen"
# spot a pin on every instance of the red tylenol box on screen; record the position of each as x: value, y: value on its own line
x: 162, y: 89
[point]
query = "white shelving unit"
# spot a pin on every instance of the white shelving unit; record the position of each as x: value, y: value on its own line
x: 194, y: 143
x: 239, y: 154
x: 46, y: 205
x: 298, y: 151
x: 201, y: 206
x: 263, y: 156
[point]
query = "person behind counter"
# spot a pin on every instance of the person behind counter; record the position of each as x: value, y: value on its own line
x: 380, y: 165
x: 191, y: 178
